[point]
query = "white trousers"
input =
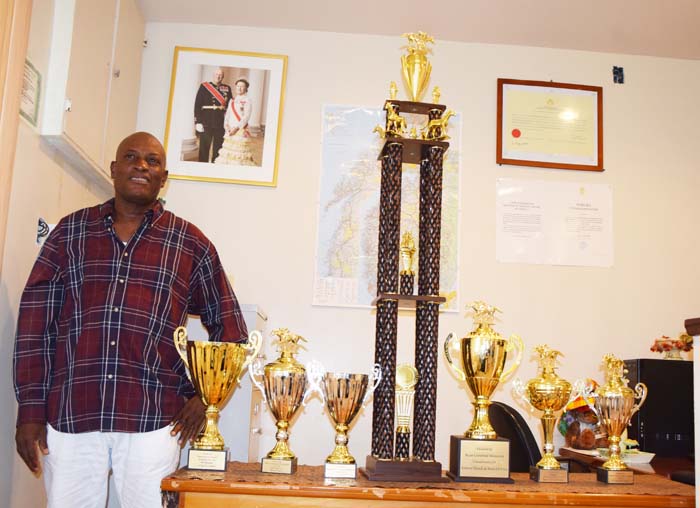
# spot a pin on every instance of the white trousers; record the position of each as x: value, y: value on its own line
x: 76, y: 470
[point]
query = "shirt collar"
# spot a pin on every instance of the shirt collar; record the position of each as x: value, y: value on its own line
x: 107, y: 210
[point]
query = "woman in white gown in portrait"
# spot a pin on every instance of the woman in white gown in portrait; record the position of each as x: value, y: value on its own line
x: 237, y: 147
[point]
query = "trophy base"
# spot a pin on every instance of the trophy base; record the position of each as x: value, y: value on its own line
x: 279, y: 466
x: 207, y: 460
x: 560, y: 475
x: 624, y: 477
x: 403, y: 470
x: 340, y: 470
x: 479, y: 460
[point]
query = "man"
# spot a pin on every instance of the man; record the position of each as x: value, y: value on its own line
x: 209, y: 111
x: 97, y: 377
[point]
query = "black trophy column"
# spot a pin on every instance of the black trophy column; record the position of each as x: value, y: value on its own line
x: 387, y: 309
x: 427, y: 312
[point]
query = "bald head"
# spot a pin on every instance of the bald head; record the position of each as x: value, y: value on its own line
x: 142, y: 136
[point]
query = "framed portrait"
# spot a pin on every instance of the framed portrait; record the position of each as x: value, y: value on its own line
x: 225, y: 116
x: 549, y: 125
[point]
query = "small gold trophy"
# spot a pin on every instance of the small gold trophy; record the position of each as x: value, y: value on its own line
x: 482, y: 357
x: 549, y: 393
x: 407, y: 275
x: 283, y: 384
x: 406, y: 379
x: 214, y: 369
x: 614, y: 403
x: 344, y: 395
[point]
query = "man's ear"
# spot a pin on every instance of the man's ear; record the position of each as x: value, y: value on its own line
x: 162, y: 184
x: 111, y: 169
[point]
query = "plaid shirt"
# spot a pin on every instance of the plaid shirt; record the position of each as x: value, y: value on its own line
x: 94, y: 349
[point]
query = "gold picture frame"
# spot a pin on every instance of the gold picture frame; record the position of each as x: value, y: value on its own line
x: 249, y: 155
x: 549, y: 125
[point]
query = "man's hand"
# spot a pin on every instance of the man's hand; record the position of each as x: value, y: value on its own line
x: 30, y: 439
x: 189, y: 421
x: 199, y: 127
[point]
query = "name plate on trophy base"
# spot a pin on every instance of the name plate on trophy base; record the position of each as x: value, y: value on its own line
x: 413, y: 470
x: 207, y: 460
x: 279, y: 466
x: 560, y: 475
x: 479, y: 460
x: 340, y: 470
x: 625, y: 477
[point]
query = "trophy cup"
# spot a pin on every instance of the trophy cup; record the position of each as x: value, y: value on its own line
x: 415, y: 65
x: 214, y: 369
x: 480, y: 455
x: 283, y: 384
x: 614, y: 403
x: 406, y: 379
x: 344, y: 395
x: 549, y: 393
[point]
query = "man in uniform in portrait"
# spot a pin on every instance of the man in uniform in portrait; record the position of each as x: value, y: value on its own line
x: 209, y: 112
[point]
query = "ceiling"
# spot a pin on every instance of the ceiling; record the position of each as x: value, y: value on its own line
x: 664, y: 28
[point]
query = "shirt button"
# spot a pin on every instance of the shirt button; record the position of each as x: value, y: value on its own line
x: 121, y: 281
x: 113, y: 343
x: 126, y: 254
x: 109, y: 376
x: 116, y: 309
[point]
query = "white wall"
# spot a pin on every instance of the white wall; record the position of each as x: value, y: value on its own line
x: 266, y: 236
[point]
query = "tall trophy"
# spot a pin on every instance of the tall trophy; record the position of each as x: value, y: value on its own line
x: 424, y: 144
x: 214, y: 369
x: 549, y: 393
x: 479, y: 454
x: 283, y: 384
x: 614, y: 403
x: 344, y: 394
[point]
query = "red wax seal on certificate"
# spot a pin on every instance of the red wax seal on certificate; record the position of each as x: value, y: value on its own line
x: 516, y: 133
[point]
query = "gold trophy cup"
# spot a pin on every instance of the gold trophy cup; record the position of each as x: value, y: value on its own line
x: 481, y: 363
x: 283, y: 384
x: 548, y: 393
x: 214, y: 369
x: 344, y: 395
x: 415, y: 66
x: 614, y: 404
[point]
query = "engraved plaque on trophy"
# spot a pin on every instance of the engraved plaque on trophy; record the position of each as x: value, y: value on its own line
x: 479, y: 454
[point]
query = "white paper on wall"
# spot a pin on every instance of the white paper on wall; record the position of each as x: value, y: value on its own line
x: 555, y: 223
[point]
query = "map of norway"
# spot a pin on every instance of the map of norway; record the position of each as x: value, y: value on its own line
x: 346, y: 250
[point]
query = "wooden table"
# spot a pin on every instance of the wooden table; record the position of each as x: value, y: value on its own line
x: 663, y: 466
x: 243, y: 486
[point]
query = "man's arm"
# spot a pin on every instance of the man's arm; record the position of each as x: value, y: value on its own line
x: 35, y: 343
x: 212, y: 298
x: 199, y: 102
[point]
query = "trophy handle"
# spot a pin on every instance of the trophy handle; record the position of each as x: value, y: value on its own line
x: 519, y: 390
x: 448, y: 344
x: 180, y: 340
x: 376, y: 378
x: 256, y: 371
x: 515, y: 342
x: 253, y: 347
x: 641, y: 390
x: 314, y: 373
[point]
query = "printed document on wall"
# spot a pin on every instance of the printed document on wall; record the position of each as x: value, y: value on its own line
x: 555, y: 223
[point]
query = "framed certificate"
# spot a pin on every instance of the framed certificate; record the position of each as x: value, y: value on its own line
x: 549, y: 125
